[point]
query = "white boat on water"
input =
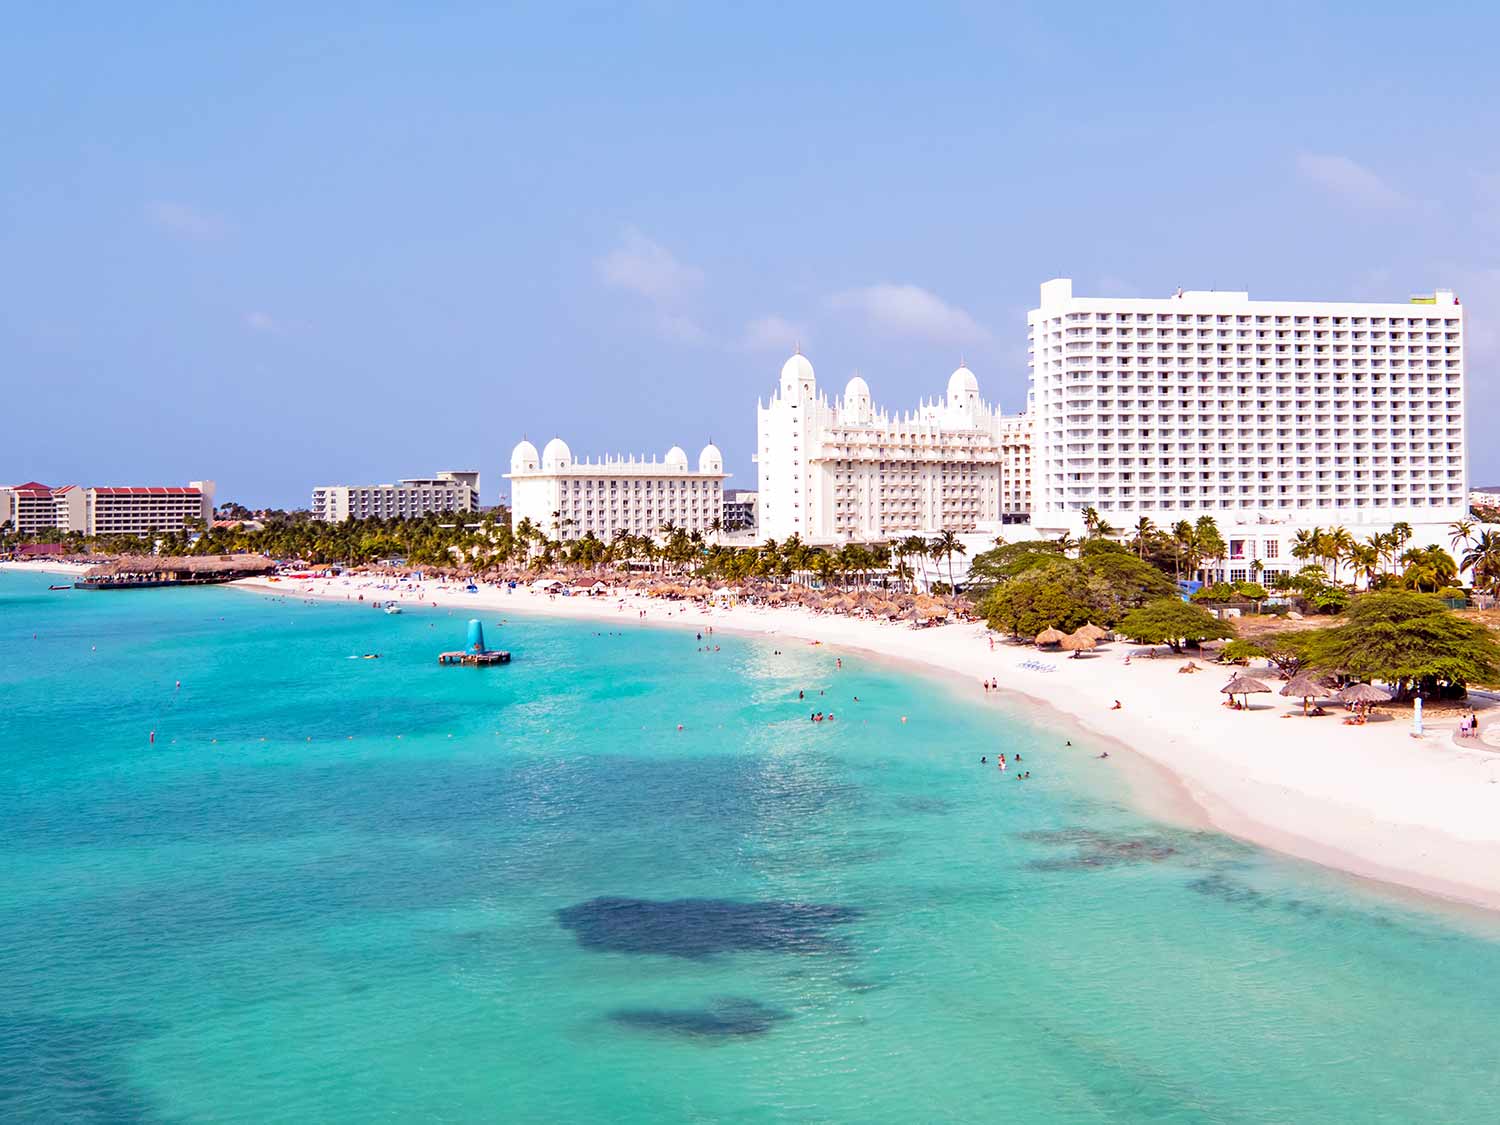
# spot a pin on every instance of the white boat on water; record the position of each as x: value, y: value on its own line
x: 392, y: 607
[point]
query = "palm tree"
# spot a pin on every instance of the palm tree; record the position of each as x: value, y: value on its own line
x: 946, y: 543
x: 916, y: 547
x: 1429, y: 569
x: 1306, y: 544
x: 1144, y: 529
x: 1207, y: 541
x: 716, y: 527
x: 1482, y: 560
x: 1401, y: 533
x: 1365, y: 559
x: 1337, y: 545
x: 1462, y: 531
x: 1182, y: 545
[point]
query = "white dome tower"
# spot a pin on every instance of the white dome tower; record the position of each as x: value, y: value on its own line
x: 710, y: 460
x: 523, y: 458
x: 797, y: 379
x: 677, y: 458
x: 556, y: 455
x: 963, y: 396
x: 857, y: 409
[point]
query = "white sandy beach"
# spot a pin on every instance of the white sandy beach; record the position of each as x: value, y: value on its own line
x: 1372, y: 800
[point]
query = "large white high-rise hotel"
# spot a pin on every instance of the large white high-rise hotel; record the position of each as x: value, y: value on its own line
x: 1251, y: 411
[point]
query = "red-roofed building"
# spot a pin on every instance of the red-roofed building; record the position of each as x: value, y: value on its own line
x: 30, y: 507
x: 27, y: 508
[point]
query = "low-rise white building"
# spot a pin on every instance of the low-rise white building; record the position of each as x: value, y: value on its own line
x: 741, y: 511
x: 568, y: 499
x: 447, y: 491
x: 843, y: 470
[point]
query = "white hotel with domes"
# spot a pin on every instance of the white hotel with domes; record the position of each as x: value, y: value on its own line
x: 840, y: 470
x: 568, y: 499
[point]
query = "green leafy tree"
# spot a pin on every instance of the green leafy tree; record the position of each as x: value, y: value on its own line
x: 1408, y: 640
x: 1216, y: 593
x: 1011, y: 559
x: 1173, y: 622
x: 1118, y: 582
x: 1055, y: 596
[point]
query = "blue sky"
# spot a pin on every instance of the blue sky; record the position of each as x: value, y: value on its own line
x: 289, y: 245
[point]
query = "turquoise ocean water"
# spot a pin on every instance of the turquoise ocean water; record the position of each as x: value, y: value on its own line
x: 347, y: 890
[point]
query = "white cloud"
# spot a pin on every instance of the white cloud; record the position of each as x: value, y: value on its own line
x: 185, y: 221
x: 910, y: 310
x: 261, y: 322
x: 772, y: 334
x: 1351, y: 182
x: 649, y: 269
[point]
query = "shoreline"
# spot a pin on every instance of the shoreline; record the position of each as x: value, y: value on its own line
x: 1373, y: 802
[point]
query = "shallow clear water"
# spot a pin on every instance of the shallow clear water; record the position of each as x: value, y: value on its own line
x: 339, y: 889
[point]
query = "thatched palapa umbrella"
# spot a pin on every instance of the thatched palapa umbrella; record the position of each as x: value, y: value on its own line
x: 1364, y: 693
x: 1363, y: 697
x: 1304, y: 686
x: 1077, y: 642
x: 1245, y: 685
x: 1049, y: 637
x: 1091, y: 630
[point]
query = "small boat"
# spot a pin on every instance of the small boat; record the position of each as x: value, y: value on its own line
x: 392, y: 607
x: 67, y: 587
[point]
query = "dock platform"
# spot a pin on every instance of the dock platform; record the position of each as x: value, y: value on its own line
x: 489, y: 656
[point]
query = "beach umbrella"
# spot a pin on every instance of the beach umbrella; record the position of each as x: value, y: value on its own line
x: 1245, y: 685
x: 1363, y: 696
x: 1091, y: 630
x: 1049, y: 637
x: 1364, y: 693
x: 1077, y: 642
x: 1304, y: 686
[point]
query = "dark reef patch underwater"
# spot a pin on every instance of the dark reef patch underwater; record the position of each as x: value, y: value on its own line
x: 702, y: 927
x: 727, y: 1018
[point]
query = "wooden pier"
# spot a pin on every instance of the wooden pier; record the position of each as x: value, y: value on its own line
x: 488, y: 656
